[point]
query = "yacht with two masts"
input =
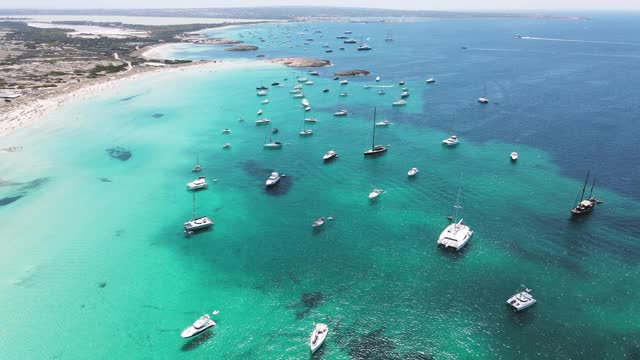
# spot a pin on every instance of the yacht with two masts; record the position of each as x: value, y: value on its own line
x: 585, y: 206
x: 375, y: 149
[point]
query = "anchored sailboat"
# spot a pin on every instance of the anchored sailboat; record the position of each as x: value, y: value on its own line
x: 375, y: 149
x: 585, y: 206
x: 457, y: 234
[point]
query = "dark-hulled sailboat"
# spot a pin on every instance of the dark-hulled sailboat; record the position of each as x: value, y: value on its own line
x: 585, y: 206
x: 375, y: 149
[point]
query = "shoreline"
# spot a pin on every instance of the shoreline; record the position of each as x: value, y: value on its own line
x: 27, y: 111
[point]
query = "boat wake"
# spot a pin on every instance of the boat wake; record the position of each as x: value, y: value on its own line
x: 579, y: 41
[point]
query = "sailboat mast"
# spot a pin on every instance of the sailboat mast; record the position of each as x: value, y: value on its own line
x: 373, y: 138
x: 584, y: 187
x: 193, y: 204
x: 592, y: 185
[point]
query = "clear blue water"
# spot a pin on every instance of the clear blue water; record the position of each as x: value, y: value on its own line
x: 104, y: 265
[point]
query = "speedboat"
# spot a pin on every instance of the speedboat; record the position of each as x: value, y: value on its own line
x: 375, y: 193
x: 456, y: 235
x: 401, y: 82
x: 377, y: 78
x: 522, y: 299
x: 314, y: 73
x: 305, y: 132
x: 311, y: 119
x: 483, y: 100
x: 302, y: 79
x: 273, y: 179
x: 413, y: 172
x: 451, y: 141
x: 383, y: 123
x: 226, y: 131
x: 325, y: 90
x: 318, y: 336
x: 430, y: 80
x: 265, y: 101
x: 261, y: 93
x: 514, y: 156
x: 197, y: 224
x: 199, y: 183
x: 304, y: 102
x: 309, y: 82
x: 273, y: 144
x: 381, y: 92
x: 298, y: 95
x: 318, y: 222
x: 307, y: 108
x: 399, y: 103
x: 344, y: 94
x: 340, y: 113
x: 350, y: 41
x: 404, y: 95
x: 262, y: 121
x: 364, y: 47
x: 226, y: 146
x: 329, y: 155
x: 261, y: 87
x: 198, y: 327
x: 259, y: 112
x: 344, y: 82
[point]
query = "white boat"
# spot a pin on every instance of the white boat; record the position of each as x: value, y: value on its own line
x: 297, y: 87
x: 318, y: 336
x: 318, y: 222
x: 198, y: 327
x: 514, y: 156
x: 404, y: 95
x: 430, y: 80
x: 259, y: 112
x: 329, y: 155
x: 383, y: 123
x: 311, y: 119
x: 196, y: 223
x: 262, y: 121
x: 298, y: 95
x: 344, y: 94
x: 375, y: 149
x: 196, y: 168
x: 273, y: 179
x: 399, y: 103
x: 381, y: 92
x: 364, y: 47
x: 375, y: 193
x: 294, y: 91
x: 314, y: 73
x: 340, y: 113
x: 303, y: 79
x: 226, y: 131
x: 451, y: 141
x: 304, y: 102
x: 272, y: 144
x: 344, y: 82
x: 226, y: 146
x: 265, y: 101
x: 199, y: 183
x: 522, y: 299
x: 457, y: 234
x: 413, y: 172
x: 307, y: 108
x: 377, y: 78
x: 308, y: 82
x: 305, y: 132
x: 261, y: 93
x: 483, y: 100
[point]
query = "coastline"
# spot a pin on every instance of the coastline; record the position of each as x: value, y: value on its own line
x: 28, y: 111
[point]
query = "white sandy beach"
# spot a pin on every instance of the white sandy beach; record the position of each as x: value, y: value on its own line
x: 28, y: 111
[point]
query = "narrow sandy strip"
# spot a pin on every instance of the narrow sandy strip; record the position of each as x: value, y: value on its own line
x: 30, y: 110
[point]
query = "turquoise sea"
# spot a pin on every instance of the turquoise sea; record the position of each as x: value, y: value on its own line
x: 94, y: 264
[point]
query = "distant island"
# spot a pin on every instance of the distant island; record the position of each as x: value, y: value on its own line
x: 301, y: 62
x: 353, y: 73
x: 241, y: 48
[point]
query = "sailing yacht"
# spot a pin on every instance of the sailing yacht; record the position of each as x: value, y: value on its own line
x: 272, y: 144
x: 389, y: 37
x: 457, y: 234
x: 375, y: 149
x: 199, y: 183
x: 318, y: 336
x: 305, y: 132
x: 585, y: 206
x: 484, y: 99
x: 196, y: 167
x: 363, y: 46
x: 197, y: 223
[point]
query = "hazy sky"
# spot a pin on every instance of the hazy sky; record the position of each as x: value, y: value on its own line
x: 407, y: 4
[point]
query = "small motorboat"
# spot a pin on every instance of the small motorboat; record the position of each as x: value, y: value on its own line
x: 522, y: 299
x: 265, y: 101
x: 198, y: 327
x: 401, y: 82
x: 375, y: 193
x: 383, y: 123
x: 340, y: 113
x: 275, y: 131
x: 377, y: 78
x: 262, y: 121
x: 404, y: 95
x: 273, y: 179
x: 302, y: 79
x: 226, y: 146
x: 275, y: 83
x: 318, y: 336
x: 430, y: 80
x: 199, y: 183
x: 307, y: 108
x: 309, y: 82
x: 261, y: 93
x: 298, y: 95
x: 311, y: 119
x: 451, y: 141
x: 336, y: 78
x: 328, y: 51
x: 399, y: 103
x: 325, y: 90
x: 344, y: 82
x: 305, y: 132
x: 413, y: 172
x: 330, y: 155
x: 314, y: 73
x: 483, y: 100
x: 514, y: 156
x: 304, y: 102
x: 344, y: 94
x: 319, y: 222
x: 381, y: 92
x: 273, y: 145
x: 259, y: 112
x: 226, y: 131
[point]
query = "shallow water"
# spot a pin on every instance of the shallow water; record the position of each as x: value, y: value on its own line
x: 106, y: 261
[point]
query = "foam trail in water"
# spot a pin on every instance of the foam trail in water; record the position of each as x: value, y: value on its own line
x: 579, y: 41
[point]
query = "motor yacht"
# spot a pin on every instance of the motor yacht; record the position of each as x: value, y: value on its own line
x: 451, y: 141
x: 375, y: 193
x: 413, y: 172
x: 198, y: 327
x: 199, y: 183
x: 319, y: 222
x: 399, y: 103
x: 273, y: 179
x: 262, y: 121
x: 514, y: 156
x: 344, y: 82
x: 329, y: 155
x: 383, y: 123
x: 340, y: 113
